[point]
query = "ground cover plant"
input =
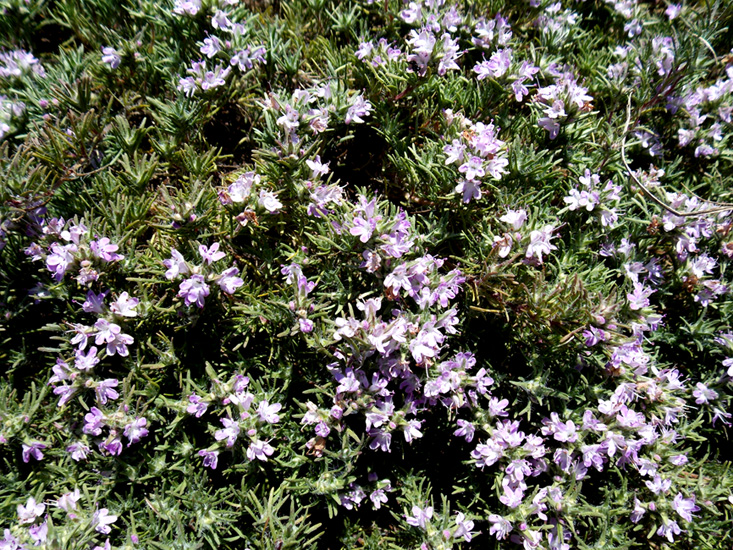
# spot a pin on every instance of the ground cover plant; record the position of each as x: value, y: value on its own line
x: 323, y: 274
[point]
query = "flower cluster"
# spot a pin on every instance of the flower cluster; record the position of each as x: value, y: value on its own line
x: 477, y: 150
x: 195, y: 285
x: 247, y: 417
x: 68, y: 245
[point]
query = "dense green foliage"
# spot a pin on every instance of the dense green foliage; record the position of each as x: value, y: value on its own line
x: 324, y: 274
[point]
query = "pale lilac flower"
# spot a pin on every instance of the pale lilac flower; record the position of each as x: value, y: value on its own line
x: 211, y: 458
x: 197, y: 406
x: 511, y: 497
x: 229, y: 282
x: 318, y: 169
x: 540, y: 243
x: 111, y: 57
x: 60, y: 259
x: 246, y: 58
x: 259, y: 450
x: 111, y: 334
x: 31, y: 510
x: 194, y: 291
x: 469, y: 189
x: 229, y: 433
x: 268, y: 412
x: 176, y: 265
x: 188, y: 7
x: 659, y: 485
x: 136, y: 430
x: 33, y: 449
x: 220, y: 20
x: 214, y: 79
x: 105, y: 390
x: 704, y: 394
x: 472, y: 168
x: 669, y: 529
x: 499, y: 526
x: 93, y: 422
x: 455, y: 152
x: 378, y: 497
x: 67, y: 501
x: 211, y: 47
x: 269, y: 201
x: 552, y: 126
x: 105, y: 250
x: 87, y: 361
x: 463, y: 528
x: 685, y: 506
x: 94, y: 302
x: 211, y: 255
x: 359, y: 108
x: 465, y: 429
x: 411, y: 430
x: 515, y: 218
x: 420, y: 516
x: 78, y: 451
x: 124, y: 306
x: 639, y: 298
x: 638, y: 512
x: 102, y: 520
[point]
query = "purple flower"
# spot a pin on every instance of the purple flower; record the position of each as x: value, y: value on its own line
x: 102, y: 520
x: 29, y: 512
x: 230, y: 431
x: 111, y: 334
x: 552, y: 126
x: 267, y: 412
x: 176, y: 265
x: 211, y: 458
x: 33, y: 449
x: 94, y: 302
x: 86, y: 361
x: 515, y: 218
x: 465, y: 429
x: 499, y: 527
x: 419, y: 517
x: 669, y: 529
x: 540, y: 244
x: 78, y: 451
x: 640, y: 297
x: 113, y: 445
x: 259, y: 450
x: 685, y: 506
x: 105, y: 390
x: 463, y: 528
x: 511, y: 497
x: 229, y: 282
x: 194, y: 290
x: 703, y: 394
x: 111, y: 57
x: 67, y: 501
x: 197, y: 406
x: 136, y: 430
x: 93, y: 422
x: 380, y: 439
x: 60, y: 259
x: 105, y: 250
x: 378, y: 497
x: 211, y: 255
x: 322, y: 429
x: 125, y: 306
x: 359, y: 108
